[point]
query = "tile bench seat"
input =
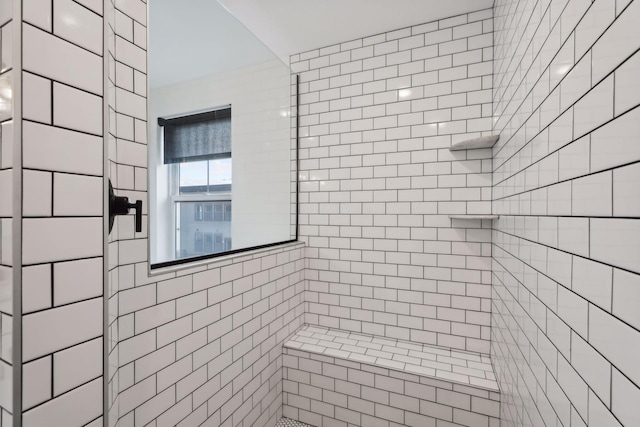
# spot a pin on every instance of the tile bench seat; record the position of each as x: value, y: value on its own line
x: 339, y: 378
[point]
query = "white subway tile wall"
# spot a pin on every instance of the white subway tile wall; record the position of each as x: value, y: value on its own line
x: 7, y: 187
x: 566, y: 183
x: 323, y: 390
x: 62, y: 224
x: 378, y: 183
x: 201, y: 347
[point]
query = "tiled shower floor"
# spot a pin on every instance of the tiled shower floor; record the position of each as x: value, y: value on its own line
x: 287, y: 422
x: 438, y: 362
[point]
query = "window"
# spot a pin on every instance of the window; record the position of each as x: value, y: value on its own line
x: 197, y: 149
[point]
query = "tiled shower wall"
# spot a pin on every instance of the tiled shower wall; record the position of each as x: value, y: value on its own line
x: 56, y: 250
x: 566, y: 318
x: 378, y: 182
x: 7, y: 185
x: 197, y: 346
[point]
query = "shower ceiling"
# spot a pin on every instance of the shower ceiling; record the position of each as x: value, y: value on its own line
x: 205, y: 37
x: 292, y: 26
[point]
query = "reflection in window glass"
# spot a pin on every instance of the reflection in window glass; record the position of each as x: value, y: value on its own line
x: 208, y: 212
x: 202, y: 228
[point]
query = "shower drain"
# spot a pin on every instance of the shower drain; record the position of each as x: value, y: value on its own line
x: 287, y: 422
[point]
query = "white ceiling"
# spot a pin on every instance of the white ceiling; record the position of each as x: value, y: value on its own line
x: 193, y: 38
x: 294, y: 26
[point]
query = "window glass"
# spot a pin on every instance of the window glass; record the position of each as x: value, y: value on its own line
x: 220, y: 172
x: 205, y: 176
x: 193, y: 177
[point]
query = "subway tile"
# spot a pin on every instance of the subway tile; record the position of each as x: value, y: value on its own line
x: 573, y: 385
x: 54, y: 58
x: 6, y: 59
x: 78, y: 407
x: 6, y: 395
x: 592, y: 195
x: 6, y: 148
x: 94, y: 5
x: 38, y: 13
x: 7, y: 336
x: 134, y: 8
x: 77, y: 365
x: 593, y: 281
x: 36, y: 98
x: 6, y: 192
x: 599, y: 16
x: 618, y: 348
x: 155, y: 362
x: 37, y: 197
x: 573, y: 235
x: 617, y: 43
x: 594, y: 368
x: 576, y: 83
x: 575, y: 159
x: 627, y: 87
x: 130, y: 54
x: 51, y: 330
x: 77, y: 110
x: 78, y: 25
x: 36, y: 382
x: 594, y: 109
x: 136, y: 299
x: 614, y: 144
x: 87, y: 150
x: 624, y: 394
x: 154, y: 316
x: 77, y: 280
x: 626, y: 295
x: 615, y: 241
x: 124, y: 28
x: 626, y: 191
x: 36, y: 288
x: 136, y: 347
x: 60, y: 239
x: 77, y: 195
x: 559, y: 201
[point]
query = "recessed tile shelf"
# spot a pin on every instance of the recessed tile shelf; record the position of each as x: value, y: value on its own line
x: 476, y: 143
x: 474, y: 216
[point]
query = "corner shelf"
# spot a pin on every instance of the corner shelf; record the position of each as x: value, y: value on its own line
x: 476, y: 143
x: 474, y: 216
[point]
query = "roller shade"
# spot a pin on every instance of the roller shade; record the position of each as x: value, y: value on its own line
x: 204, y: 136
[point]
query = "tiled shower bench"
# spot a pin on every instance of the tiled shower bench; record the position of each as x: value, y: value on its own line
x: 334, y: 378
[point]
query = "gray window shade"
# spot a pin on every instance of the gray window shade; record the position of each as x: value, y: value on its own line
x: 203, y: 136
